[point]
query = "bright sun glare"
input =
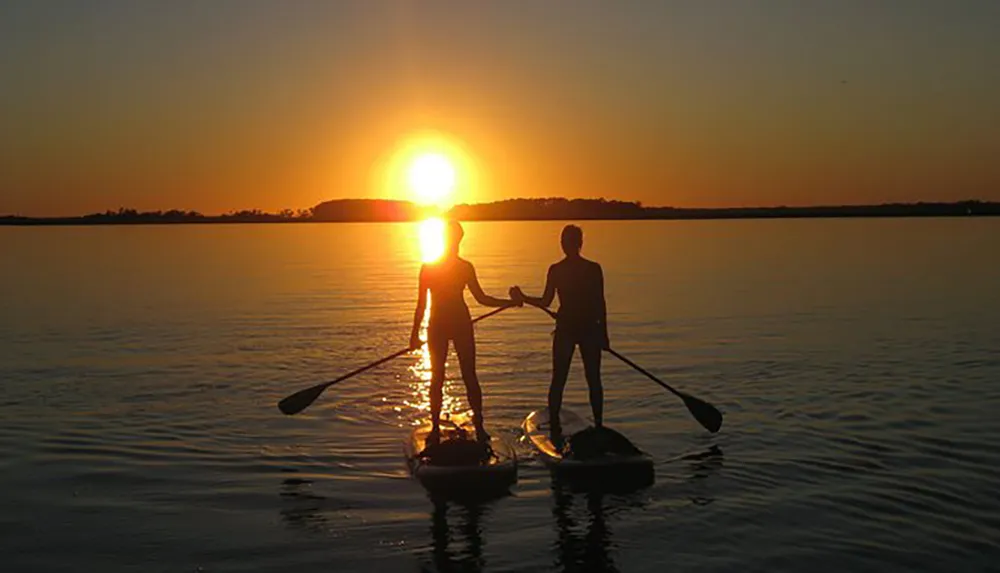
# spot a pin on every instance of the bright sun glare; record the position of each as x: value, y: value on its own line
x: 431, y: 239
x: 431, y: 177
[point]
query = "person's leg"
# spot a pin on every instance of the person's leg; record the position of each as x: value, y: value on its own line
x: 465, y: 348
x: 437, y: 346
x: 590, y: 351
x: 562, y: 355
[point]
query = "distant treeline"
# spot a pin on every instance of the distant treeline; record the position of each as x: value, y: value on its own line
x: 581, y: 209
x: 133, y: 217
x: 380, y: 210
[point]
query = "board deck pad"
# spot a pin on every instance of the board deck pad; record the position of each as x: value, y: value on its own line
x: 471, y: 472
x: 635, y: 465
x: 449, y: 433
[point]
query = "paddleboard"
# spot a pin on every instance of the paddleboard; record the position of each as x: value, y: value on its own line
x: 622, y: 460
x: 459, y: 465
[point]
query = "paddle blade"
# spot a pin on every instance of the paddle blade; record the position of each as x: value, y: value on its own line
x: 706, y: 414
x: 300, y: 400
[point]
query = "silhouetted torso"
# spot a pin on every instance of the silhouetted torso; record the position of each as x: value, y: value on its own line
x: 447, y: 279
x: 579, y: 284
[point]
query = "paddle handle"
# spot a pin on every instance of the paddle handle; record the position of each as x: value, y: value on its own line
x: 492, y: 312
x: 549, y: 312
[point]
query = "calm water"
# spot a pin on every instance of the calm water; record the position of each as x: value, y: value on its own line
x: 857, y: 363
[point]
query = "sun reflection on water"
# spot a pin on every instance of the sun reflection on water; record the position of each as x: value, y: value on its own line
x: 420, y: 383
x: 430, y: 240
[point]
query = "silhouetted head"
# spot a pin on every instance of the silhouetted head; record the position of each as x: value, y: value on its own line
x: 453, y: 234
x: 572, y: 239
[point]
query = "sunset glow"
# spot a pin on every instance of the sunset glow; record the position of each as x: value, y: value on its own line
x: 340, y: 100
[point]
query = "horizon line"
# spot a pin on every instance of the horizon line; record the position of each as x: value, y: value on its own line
x: 443, y: 210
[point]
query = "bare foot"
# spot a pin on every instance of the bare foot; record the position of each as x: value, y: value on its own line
x: 434, y: 437
x: 555, y: 434
x: 482, y: 436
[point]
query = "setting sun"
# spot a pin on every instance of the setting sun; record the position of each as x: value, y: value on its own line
x: 430, y: 168
x: 431, y: 177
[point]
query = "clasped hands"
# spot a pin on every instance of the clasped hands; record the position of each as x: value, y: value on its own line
x: 516, y: 296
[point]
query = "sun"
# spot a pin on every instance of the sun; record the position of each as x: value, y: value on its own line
x: 431, y: 169
x: 432, y: 178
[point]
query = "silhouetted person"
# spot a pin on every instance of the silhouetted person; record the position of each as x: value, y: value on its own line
x: 446, y: 280
x: 581, y: 321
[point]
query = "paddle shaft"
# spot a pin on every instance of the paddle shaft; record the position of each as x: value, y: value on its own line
x: 303, y: 398
x: 644, y: 371
x: 629, y: 362
x: 707, y: 415
x: 402, y: 352
x: 378, y: 362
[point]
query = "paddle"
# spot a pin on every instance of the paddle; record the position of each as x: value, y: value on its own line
x: 707, y: 415
x: 304, y: 398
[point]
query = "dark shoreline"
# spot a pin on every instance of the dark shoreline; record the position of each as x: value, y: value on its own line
x: 383, y: 211
x: 82, y: 223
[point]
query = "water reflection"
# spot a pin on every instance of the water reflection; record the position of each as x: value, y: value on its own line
x: 702, y: 465
x: 457, y: 545
x: 418, y: 404
x: 304, y: 510
x: 583, y: 537
x: 420, y: 379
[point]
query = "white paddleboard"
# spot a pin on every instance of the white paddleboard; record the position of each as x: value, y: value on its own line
x: 537, y: 431
x: 494, y: 472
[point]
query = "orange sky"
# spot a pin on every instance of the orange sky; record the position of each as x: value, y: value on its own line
x: 231, y: 105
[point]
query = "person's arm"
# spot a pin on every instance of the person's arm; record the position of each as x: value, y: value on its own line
x: 603, y: 308
x: 418, y: 314
x: 480, y: 296
x: 547, y: 297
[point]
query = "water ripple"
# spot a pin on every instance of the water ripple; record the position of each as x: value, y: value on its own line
x: 140, y: 429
